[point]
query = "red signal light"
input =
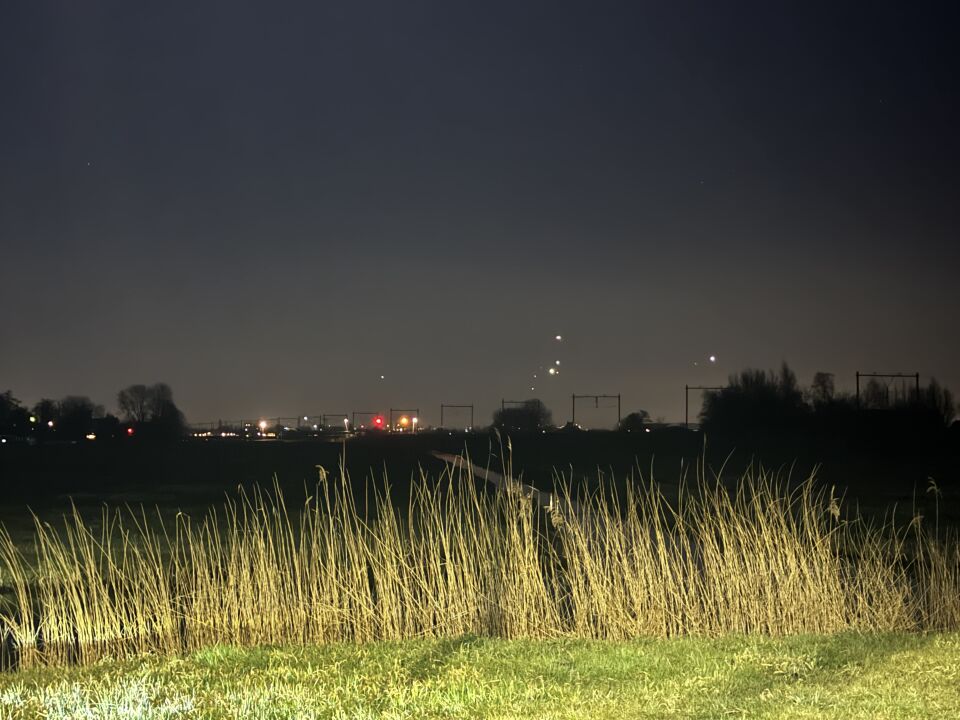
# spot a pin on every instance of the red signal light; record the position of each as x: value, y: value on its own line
x: 378, y: 421
x: 129, y: 432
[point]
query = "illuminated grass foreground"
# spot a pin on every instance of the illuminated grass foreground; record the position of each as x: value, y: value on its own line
x: 467, y: 559
x: 836, y: 677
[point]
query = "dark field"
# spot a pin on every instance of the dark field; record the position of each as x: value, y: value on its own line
x: 684, y: 556
x: 877, y: 474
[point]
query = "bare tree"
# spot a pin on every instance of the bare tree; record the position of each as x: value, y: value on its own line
x: 153, y: 406
x: 940, y: 400
x: 160, y: 401
x: 134, y: 403
x: 875, y: 396
x: 822, y: 390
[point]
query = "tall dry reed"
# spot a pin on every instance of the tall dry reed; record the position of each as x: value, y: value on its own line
x: 462, y: 558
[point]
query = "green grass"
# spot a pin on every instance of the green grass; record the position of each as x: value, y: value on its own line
x: 840, y: 676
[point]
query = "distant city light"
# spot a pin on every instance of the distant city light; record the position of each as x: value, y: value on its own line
x: 553, y: 371
x: 3, y: 441
x: 713, y: 358
x: 559, y: 337
x: 305, y: 417
x: 129, y: 431
x: 33, y: 418
x: 557, y: 363
x: 263, y: 424
x: 50, y: 423
x: 404, y: 421
x: 91, y: 436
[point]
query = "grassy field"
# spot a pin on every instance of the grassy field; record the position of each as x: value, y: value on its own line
x: 765, y: 597
x: 761, y: 557
x: 845, y: 676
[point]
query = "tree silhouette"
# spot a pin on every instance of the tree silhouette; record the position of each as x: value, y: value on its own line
x: 531, y: 415
x: 635, y: 421
x: 134, y: 403
x: 77, y: 413
x: 46, y: 411
x: 14, y: 418
x: 940, y: 400
x: 822, y: 390
x: 152, y: 407
x: 756, y: 401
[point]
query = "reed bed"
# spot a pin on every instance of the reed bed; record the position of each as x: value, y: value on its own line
x: 764, y: 557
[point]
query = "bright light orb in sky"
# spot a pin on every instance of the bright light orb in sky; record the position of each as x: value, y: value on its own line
x: 713, y: 358
x: 559, y: 338
x: 553, y: 371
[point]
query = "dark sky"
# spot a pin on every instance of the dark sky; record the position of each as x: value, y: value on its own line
x: 269, y: 206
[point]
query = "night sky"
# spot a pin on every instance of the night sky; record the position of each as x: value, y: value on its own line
x: 268, y: 206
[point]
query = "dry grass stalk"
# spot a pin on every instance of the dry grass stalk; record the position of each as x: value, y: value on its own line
x: 462, y: 559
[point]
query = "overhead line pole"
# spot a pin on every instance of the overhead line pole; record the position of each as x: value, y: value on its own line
x: 915, y: 376
x: 596, y: 400
x: 323, y: 418
x: 353, y: 416
x: 443, y: 406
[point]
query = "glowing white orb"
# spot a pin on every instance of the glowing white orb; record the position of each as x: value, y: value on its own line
x: 713, y: 358
x: 559, y: 338
x: 553, y: 371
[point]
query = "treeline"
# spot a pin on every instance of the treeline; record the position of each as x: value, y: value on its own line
x: 145, y: 412
x: 773, y: 402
